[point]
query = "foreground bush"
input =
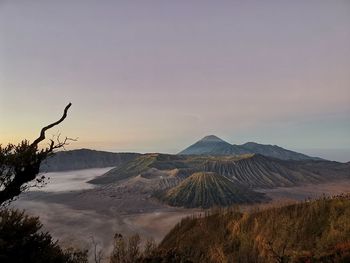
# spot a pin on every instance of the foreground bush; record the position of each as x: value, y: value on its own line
x: 22, y: 241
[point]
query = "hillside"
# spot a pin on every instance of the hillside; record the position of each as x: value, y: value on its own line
x: 84, y: 159
x: 316, y: 231
x: 212, y: 145
x: 206, y: 189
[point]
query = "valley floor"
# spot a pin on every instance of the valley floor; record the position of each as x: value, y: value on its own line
x: 74, y: 216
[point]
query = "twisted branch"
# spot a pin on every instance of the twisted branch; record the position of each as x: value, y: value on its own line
x: 43, y: 130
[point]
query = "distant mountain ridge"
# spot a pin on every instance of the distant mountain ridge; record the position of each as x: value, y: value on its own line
x: 208, y: 146
x: 85, y: 159
x: 213, y: 145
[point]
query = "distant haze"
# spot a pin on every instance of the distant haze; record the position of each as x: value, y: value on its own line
x: 155, y: 76
x: 340, y: 155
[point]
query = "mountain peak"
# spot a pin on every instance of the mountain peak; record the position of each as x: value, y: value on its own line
x: 211, y: 138
x: 213, y: 145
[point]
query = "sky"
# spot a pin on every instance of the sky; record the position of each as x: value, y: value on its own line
x: 155, y: 76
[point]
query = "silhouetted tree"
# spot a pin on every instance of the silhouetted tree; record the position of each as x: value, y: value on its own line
x: 21, y: 240
x: 20, y: 164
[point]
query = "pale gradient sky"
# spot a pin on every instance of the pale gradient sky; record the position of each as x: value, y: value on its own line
x: 157, y: 75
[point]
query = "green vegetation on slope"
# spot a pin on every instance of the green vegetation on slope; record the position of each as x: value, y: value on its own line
x: 206, y: 189
x: 316, y: 231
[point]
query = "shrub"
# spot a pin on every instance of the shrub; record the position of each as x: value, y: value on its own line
x: 22, y: 241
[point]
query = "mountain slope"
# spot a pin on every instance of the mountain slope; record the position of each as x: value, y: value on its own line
x: 212, y: 145
x: 206, y: 189
x: 84, y: 159
x: 276, y: 152
x: 316, y: 231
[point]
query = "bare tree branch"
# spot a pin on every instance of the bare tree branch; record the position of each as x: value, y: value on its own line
x: 43, y: 130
